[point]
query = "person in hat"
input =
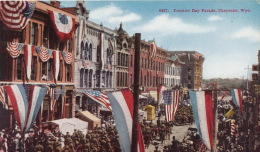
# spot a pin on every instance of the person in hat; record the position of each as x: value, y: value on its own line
x: 156, y: 149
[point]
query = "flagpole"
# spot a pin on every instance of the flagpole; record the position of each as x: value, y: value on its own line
x: 136, y: 92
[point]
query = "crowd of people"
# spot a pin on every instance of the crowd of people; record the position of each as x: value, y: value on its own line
x: 52, y: 140
x: 184, y: 115
x: 235, y: 134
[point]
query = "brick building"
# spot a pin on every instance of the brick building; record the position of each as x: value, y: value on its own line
x: 192, y: 70
x: 57, y: 72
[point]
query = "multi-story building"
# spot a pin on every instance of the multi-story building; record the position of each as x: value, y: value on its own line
x: 191, y: 71
x: 94, y: 59
x: 172, y: 72
x: 52, y: 60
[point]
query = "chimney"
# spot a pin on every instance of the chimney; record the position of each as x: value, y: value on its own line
x: 55, y: 3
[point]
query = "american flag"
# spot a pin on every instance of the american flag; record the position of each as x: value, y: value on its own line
x: 202, y: 147
x: 14, y: 49
x: 3, y: 97
x: 171, y: 100
x: 152, y: 49
x: 67, y: 56
x: 16, y: 14
x: 99, y: 97
x: 43, y: 53
x: 52, y: 92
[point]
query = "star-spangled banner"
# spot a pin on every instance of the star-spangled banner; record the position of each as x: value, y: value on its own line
x: 16, y: 14
x: 14, y: 49
x: 43, y: 53
x: 67, y: 56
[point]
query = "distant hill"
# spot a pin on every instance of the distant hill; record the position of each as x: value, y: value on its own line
x: 228, y: 83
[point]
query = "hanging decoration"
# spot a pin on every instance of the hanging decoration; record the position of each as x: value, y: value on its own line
x: 56, y: 63
x: 85, y: 64
x: 62, y: 24
x: 153, y: 49
x: 67, y: 56
x: 16, y: 14
x: 43, y: 53
x: 28, y: 53
x: 25, y: 109
x: 14, y: 49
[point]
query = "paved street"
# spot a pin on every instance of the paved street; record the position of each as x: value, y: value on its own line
x: 178, y: 131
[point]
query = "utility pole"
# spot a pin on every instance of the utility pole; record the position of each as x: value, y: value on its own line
x: 136, y: 92
x: 247, y: 76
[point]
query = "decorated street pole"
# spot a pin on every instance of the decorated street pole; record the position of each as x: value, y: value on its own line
x: 136, y: 92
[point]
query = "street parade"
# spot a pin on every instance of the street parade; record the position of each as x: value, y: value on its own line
x: 129, y: 76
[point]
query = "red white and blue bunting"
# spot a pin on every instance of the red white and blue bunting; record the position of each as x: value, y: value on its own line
x: 16, y: 14
x: 25, y: 109
x: 28, y: 53
x: 14, y: 49
x: 67, y: 56
x: 63, y: 25
x: 56, y: 63
x: 44, y: 53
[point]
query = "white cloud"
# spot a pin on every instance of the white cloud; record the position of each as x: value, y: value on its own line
x: 113, y: 14
x: 248, y: 33
x: 166, y: 25
x: 215, y: 18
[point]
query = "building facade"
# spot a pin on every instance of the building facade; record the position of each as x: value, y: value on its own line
x: 192, y: 70
x: 172, y: 73
x: 94, y: 59
x: 54, y: 69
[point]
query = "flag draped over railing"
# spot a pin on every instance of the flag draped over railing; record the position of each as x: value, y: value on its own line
x: 122, y: 103
x: 171, y: 101
x: 14, y: 49
x: 25, y: 109
x: 43, y: 53
x: 16, y: 14
x: 202, y: 108
x: 67, y: 56
x: 237, y: 98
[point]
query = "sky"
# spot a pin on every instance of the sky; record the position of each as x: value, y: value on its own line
x: 229, y: 41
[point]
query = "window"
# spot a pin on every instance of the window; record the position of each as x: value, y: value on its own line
x: 2, y: 66
x: 103, y: 84
x: 131, y: 81
x: 82, y: 50
x: 81, y: 78
x: 34, y: 33
x: 49, y: 69
x: 86, y: 78
x: 118, y: 58
x: 131, y: 60
x: 19, y: 67
x: 97, y: 78
x: 98, y: 53
x: 44, y: 71
x: 90, y: 52
x: 34, y: 68
x: 86, y: 51
x: 68, y: 72
x: 90, y: 78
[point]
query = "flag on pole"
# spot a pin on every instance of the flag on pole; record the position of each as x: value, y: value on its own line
x: 19, y: 102
x: 16, y: 14
x: 237, y: 98
x: 99, y: 97
x: 230, y: 113
x: 122, y: 105
x: 171, y: 99
x: 202, y: 108
x: 35, y: 101
x: 28, y: 54
x: 153, y: 49
x: 160, y: 94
